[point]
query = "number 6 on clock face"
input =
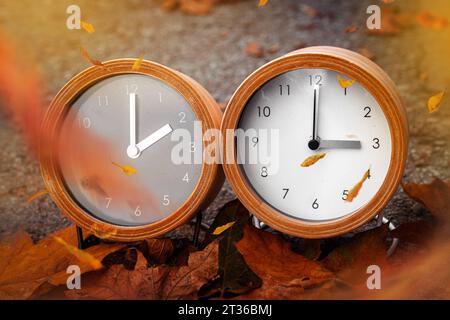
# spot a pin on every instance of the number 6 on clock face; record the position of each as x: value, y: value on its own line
x: 340, y: 144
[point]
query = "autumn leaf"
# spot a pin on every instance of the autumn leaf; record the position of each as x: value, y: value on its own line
x: 234, y: 276
x: 128, y: 170
x: 353, y: 193
x: 351, y: 29
x: 88, y: 58
x: 262, y: 3
x: 89, y: 28
x: 137, y: 63
x: 312, y: 159
x: 37, y: 195
x: 24, y: 266
x: 221, y: 229
x: 197, y: 7
x: 435, y: 101
x: 160, y: 282
x: 345, y: 83
x: 80, y: 254
x: 285, y: 274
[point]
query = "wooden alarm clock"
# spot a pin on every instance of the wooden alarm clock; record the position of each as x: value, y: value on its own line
x: 107, y: 157
x: 339, y: 142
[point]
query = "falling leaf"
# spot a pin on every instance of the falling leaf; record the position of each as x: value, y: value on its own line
x: 25, y: 266
x: 137, y: 64
x: 351, y: 29
x: 262, y: 3
x: 234, y: 276
x: 435, y: 101
x: 221, y: 229
x: 89, y: 28
x: 37, y: 195
x: 86, y: 55
x: 285, y: 274
x: 161, y: 282
x: 80, y: 254
x: 429, y: 20
x: 312, y: 159
x: 353, y: 193
x: 128, y: 170
x: 345, y: 83
x: 254, y: 49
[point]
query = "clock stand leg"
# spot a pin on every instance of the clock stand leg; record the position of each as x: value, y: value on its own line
x: 197, y: 227
x: 381, y: 219
x: 85, y: 243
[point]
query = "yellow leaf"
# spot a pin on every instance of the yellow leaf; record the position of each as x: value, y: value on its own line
x: 435, y: 101
x: 312, y: 159
x: 89, y: 28
x: 137, y: 64
x: 81, y: 255
x: 262, y: 3
x: 86, y: 55
x: 353, y: 193
x: 221, y: 229
x: 128, y: 170
x: 344, y: 83
x: 37, y: 195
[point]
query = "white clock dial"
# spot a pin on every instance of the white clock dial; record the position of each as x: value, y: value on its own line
x: 135, y: 115
x: 315, y: 115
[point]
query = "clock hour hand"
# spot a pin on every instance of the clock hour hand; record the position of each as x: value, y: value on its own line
x: 339, y: 144
x: 154, y: 137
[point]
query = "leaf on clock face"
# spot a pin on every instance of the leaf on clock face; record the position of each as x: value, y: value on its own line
x: 345, y: 83
x: 127, y: 169
x: 144, y: 282
x: 312, y: 159
x: 92, y: 61
x: 137, y: 63
x: 353, y: 193
x: 435, y: 101
x: 37, y: 195
x: 284, y: 273
x: 89, y: 28
x: 234, y: 276
x: 262, y: 3
x: 25, y: 267
x: 221, y: 229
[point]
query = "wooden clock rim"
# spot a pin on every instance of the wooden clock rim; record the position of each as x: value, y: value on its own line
x: 204, y: 106
x: 373, y: 79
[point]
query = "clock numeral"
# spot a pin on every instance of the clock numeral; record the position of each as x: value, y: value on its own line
x: 264, y: 172
x: 137, y: 212
x: 108, y: 202
x: 367, y: 110
x: 376, y: 143
x: 182, y: 117
x: 186, y: 178
x: 285, y: 89
x: 131, y: 88
x: 344, y: 195
x: 166, y: 200
x: 286, y: 191
x: 193, y: 147
x: 103, y: 101
x: 84, y: 123
x: 264, y: 112
x: 315, y: 80
x: 255, y: 141
x: 315, y: 205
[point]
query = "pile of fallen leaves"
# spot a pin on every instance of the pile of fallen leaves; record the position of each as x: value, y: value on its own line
x: 240, y: 261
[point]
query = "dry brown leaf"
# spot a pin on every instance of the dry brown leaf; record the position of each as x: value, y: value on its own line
x: 89, y: 28
x: 86, y: 55
x: 312, y: 159
x: 255, y: 50
x: 286, y: 274
x: 81, y: 255
x: 221, y: 229
x: 353, y: 193
x: 435, y: 101
x: 161, y: 282
x: 25, y: 266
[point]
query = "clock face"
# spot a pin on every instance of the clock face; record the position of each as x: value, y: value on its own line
x: 328, y: 139
x: 137, y: 117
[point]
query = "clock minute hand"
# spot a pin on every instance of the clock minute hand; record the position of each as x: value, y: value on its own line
x: 313, y: 144
x: 340, y: 144
x: 132, y: 150
x: 154, y: 137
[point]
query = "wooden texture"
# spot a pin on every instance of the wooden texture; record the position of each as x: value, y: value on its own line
x: 373, y: 79
x: 201, y: 102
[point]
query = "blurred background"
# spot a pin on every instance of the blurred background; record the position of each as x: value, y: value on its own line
x: 218, y: 43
